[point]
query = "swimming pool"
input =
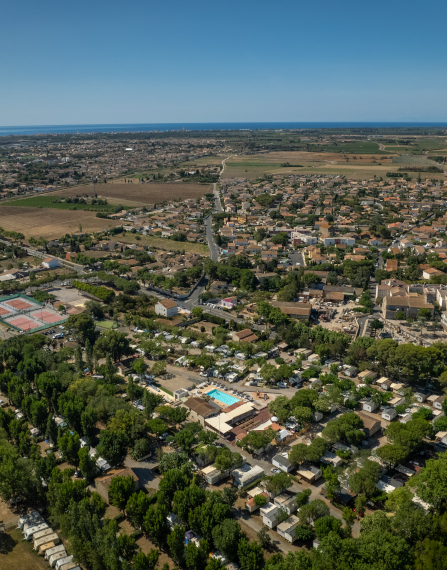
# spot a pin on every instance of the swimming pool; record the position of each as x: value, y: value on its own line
x: 222, y: 397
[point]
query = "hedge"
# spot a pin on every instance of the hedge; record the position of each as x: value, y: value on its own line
x: 100, y: 292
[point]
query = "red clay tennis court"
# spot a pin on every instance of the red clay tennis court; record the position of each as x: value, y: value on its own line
x: 19, y: 304
x: 23, y: 323
x: 47, y: 316
x: 4, y: 311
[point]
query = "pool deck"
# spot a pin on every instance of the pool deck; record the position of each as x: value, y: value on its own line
x: 206, y: 387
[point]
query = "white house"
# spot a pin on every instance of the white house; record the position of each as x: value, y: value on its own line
x: 370, y: 406
x: 270, y: 514
x: 229, y: 302
x: 389, y: 414
x: 166, y: 308
x: 50, y: 262
x: 282, y: 463
x: 287, y: 528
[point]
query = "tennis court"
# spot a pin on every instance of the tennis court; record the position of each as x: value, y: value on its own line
x: 47, y: 316
x: 24, y: 323
x: 4, y: 311
x: 20, y: 304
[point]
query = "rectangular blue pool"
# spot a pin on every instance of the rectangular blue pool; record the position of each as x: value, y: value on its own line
x: 222, y: 397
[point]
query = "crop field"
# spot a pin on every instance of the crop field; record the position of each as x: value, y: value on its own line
x: 49, y: 201
x: 139, y: 194
x: 300, y: 162
x: 49, y: 223
x: 352, y: 147
x: 164, y: 243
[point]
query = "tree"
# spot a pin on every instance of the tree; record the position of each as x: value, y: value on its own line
x: 325, y: 525
x: 157, y: 426
x: 226, y: 537
x: 51, y: 430
x: 120, y: 491
x: 150, y: 402
x: 196, y: 558
x: 430, y: 555
x: 260, y: 500
x: 304, y: 532
x: 264, y: 538
x: 250, y: 555
x: 156, y: 525
x: 136, y: 508
x: 364, y: 481
x: 186, y: 500
x: 115, y: 343
x: 113, y: 446
x: 376, y: 324
x: 360, y: 504
x: 143, y: 561
x: 139, y: 366
x: 303, y: 414
x: 331, y: 481
x: 431, y: 482
x: 348, y: 516
x: 89, y: 417
x: 302, y: 498
x: 298, y: 454
x: 313, y: 511
x: 84, y: 328
x: 424, y: 314
x: 159, y: 368
x: 69, y: 445
x: 176, y: 543
x: 397, y: 498
x: 392, y: 454
x: 87, y: 464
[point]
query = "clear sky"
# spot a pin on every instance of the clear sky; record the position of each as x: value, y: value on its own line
x: 146, y: 61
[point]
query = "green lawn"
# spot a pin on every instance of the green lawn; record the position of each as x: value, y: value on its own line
x: 18, y: 554
x: 49, y: 202
x: 352, y: 148
x: 106, y: 324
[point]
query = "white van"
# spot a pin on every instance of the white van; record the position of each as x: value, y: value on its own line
x: 62, y: 561
x: 29, y: 533
x: 55, y: 557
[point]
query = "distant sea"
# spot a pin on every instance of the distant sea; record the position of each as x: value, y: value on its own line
x: 157, y: 127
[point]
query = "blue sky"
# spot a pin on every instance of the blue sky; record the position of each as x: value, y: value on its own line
x: 170, y: 61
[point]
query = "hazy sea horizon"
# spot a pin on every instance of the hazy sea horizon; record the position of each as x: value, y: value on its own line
x: 148, y: 127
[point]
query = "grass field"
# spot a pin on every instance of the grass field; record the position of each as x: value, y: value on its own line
x: 167, y: 244
x: 140, y: 194
x: 49, y: 202
x: 255, y: 166
x: 107, y: 324
x: 49, y: 223
x: 354, y: 147
x: 18, y: 554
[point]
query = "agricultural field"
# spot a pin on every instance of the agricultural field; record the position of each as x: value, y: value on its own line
x: 49, y: 223
x: 50, y: 201
x: 164, y: 243
x: 354, y: 166
x: 352, y: 147
x: 139, y: 194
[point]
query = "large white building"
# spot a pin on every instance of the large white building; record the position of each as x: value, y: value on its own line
x: 338, y: 240
x: 166, y: 308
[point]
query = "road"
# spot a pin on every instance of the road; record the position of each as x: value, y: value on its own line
x: 218, y: 207
x: 214, y: 249
x: 297, y: 257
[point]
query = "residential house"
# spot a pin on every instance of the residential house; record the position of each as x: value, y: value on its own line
x: 166, y: 308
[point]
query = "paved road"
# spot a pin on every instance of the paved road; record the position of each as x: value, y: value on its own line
x: 214, y: 249
x: 297, y: 257
x: 218, y: 205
